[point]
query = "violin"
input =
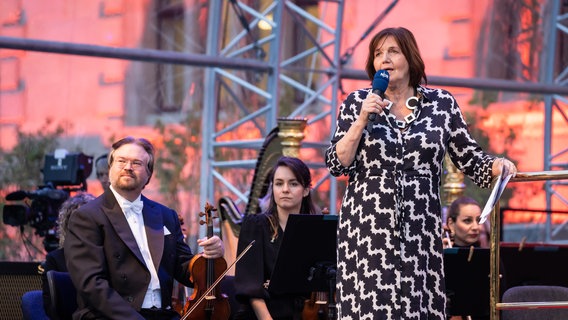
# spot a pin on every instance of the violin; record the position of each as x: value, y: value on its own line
x: 317, y: 307
x: 207, y: 302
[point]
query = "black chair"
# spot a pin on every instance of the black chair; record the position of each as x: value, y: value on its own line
x: 535, y: 294
x: 63, y: 295
x: 32, y: 306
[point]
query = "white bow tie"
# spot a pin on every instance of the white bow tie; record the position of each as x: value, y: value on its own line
x: 135, y: 207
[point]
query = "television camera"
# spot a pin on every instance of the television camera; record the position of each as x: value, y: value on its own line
x: 63, y: 173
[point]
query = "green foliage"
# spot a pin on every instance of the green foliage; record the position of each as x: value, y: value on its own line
x: 21, y: 167
x: 174, y: 168
x: 482, y: 138
x: 484, y: 98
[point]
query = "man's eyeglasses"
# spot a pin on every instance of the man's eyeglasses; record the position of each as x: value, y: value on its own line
x: 134, y: 164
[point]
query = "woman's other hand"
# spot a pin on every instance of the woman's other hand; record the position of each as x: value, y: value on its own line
x: 501, y: 163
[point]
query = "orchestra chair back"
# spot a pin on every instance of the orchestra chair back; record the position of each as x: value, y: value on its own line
x: 63, y: 295
x: 32, y: 306
x: 227, y: 286
x: 537, y: 293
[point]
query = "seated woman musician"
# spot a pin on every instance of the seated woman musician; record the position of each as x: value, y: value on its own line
x: 463, y: 225
x: 465, y: 231
x: 55, y: 260
x: 290, y: 193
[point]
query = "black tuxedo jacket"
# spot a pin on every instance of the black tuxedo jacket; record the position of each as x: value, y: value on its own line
x: 106, y: 264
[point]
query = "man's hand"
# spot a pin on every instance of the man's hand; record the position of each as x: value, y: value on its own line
x: 212, y: 247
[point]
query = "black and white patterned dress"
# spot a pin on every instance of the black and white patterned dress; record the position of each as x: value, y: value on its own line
x: 389, y: 240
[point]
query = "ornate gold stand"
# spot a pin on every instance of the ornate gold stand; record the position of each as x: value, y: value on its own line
x: 291, y: 130
x: 453, y: 183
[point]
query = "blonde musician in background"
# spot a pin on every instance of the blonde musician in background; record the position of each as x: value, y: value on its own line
x: 465, y: 231
x: 463, y: 225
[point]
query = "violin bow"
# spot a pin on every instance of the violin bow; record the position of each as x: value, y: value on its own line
x: 203, y: 296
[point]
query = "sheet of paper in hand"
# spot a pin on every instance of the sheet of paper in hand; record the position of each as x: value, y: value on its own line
x: 498, y: 188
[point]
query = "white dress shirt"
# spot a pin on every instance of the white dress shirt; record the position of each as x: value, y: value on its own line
x: 133, y: 213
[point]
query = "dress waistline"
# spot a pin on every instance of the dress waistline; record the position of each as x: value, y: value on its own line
x: 391, y: 172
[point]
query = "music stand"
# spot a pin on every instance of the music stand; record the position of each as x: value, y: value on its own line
x: 534, y: 265
x: 467, y: 282
x: 309, y: 241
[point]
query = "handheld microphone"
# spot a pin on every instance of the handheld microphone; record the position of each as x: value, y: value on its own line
x: 380, y: 84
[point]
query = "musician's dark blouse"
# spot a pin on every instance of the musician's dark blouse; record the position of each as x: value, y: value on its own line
x: 255, y: 268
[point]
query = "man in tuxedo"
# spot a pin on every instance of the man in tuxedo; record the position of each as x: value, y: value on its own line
x: 123, y: 250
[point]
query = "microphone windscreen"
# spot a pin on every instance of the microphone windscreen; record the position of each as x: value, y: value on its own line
x: 17, y: 195
x: 381, y: 81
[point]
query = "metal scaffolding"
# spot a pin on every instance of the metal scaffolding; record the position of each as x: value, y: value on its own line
x: 554, y: 103
x: 305, y: 74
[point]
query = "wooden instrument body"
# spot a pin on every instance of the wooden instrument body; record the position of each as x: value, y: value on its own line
x: 205, y: 304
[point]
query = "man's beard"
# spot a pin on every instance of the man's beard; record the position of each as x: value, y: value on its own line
x: 128, y: 186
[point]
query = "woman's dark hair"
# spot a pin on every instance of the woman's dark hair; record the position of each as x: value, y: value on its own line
x: 145, y: 144
x: 454, y: 210
x: 302, y: 174
x: 409, y: 48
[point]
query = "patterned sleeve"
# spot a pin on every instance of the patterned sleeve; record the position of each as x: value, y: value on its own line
x: 348, y: 113
x: 464, y: 151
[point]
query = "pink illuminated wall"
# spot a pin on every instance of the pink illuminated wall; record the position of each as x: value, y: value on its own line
x: 88, y: 95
